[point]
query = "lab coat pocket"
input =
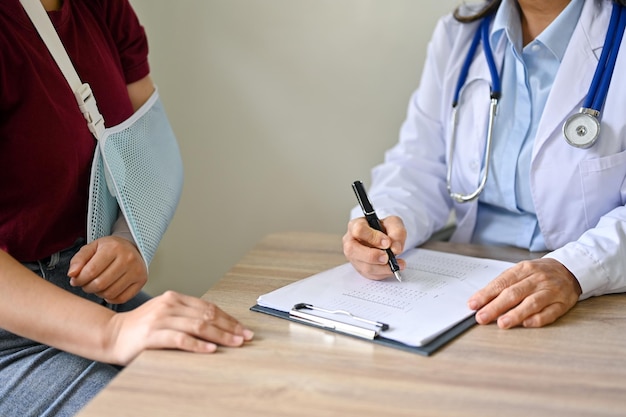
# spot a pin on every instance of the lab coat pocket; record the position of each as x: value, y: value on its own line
x: 603, y: 185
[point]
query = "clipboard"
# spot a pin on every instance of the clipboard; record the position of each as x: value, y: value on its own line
x: 379, y: 339
x: 424, y: 312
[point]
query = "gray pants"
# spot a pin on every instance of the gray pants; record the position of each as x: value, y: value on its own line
x: 37, y: 380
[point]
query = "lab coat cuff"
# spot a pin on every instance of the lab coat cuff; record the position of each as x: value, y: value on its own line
x: 589, y: 273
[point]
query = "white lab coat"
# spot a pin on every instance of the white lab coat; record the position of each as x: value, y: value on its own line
x: 579, y: 194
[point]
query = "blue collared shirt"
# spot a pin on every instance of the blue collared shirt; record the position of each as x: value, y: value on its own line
x: 506, y: 213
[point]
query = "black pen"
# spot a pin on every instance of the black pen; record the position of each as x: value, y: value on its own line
x: 372, y: 220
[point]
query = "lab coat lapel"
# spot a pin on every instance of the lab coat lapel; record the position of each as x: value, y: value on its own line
x: 575, y: 72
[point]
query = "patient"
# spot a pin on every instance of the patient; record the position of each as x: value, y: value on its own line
x: 71, y: 314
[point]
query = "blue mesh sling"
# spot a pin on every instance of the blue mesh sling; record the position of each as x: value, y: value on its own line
x: 137, y: 168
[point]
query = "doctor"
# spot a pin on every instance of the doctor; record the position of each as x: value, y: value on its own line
x: 540, y: 192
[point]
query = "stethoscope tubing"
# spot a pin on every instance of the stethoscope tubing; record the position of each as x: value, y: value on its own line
x: 481, y: 34
x: 585, y: 124
x: 466, y: 65
x: 604, y: 71
x: 496, y: 87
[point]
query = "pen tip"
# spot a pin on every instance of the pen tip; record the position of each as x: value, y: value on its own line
x: 397, y: 275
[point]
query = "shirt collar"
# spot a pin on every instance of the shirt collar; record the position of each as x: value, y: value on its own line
x: 555, y: 37
x: 507, y: 23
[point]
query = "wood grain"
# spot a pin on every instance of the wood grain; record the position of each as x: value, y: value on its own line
x: 575, y: 367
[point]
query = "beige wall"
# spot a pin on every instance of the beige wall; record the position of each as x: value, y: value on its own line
x: 278, y: 106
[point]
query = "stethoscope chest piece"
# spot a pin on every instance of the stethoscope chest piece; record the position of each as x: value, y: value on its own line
x: 581, y: 130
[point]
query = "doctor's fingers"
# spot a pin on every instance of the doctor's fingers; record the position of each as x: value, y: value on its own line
x: 360, y: 230
x: 537, y: 310
x: 546, y: 316
x: 356, y: 247
x: 532, y: 293
x: 376, y: 271
x: 518, y: 272
x: 371, y: 262
x: 394, y: 228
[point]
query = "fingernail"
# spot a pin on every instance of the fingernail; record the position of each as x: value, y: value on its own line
x: 382, y: 259
x: 248, y: 334
x: 504, y: 322
x: 385, y: 243
x: 473, y: 305
x: 238, y: 339
x: 481, y: 318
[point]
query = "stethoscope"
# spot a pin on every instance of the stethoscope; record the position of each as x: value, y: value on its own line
x: 581, y: 130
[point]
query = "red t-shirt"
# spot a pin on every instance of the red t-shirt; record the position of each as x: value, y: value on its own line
x: 46, y: 148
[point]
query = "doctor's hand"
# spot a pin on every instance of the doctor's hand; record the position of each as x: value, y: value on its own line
x: 110, y: 267
x: 365, y: 247
x: 530, y: 294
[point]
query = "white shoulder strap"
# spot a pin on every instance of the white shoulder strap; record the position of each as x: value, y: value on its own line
x: 82, y: 91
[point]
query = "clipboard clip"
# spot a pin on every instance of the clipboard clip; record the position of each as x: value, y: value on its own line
x: 372, y: 330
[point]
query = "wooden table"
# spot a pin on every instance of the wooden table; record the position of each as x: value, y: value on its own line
x: 575, y: 367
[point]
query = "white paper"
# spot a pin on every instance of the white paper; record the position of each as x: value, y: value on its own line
x: 431, y: 298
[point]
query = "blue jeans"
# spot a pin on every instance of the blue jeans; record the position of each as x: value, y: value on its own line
x: 38, y: 380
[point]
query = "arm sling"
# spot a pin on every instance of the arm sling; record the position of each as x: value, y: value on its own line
x: 137, y: 168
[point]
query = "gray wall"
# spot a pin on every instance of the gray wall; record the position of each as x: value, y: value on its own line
x: 278, y: 106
